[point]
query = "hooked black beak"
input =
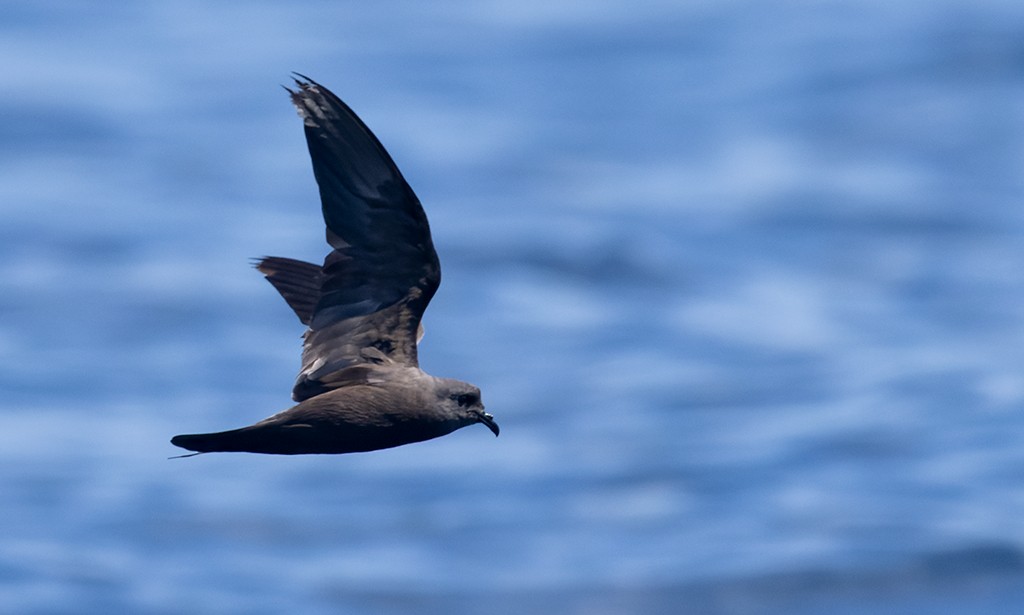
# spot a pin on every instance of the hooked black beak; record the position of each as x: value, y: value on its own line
x: 488, y: 420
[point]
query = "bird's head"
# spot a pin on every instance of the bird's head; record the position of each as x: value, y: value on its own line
x: 462, y: 400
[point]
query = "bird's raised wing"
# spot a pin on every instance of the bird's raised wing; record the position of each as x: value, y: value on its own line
x: 383, y: 270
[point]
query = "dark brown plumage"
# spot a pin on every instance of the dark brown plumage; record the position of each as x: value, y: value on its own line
x: 360, y: 387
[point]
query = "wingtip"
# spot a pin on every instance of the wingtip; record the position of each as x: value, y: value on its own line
x: 302, y: 78
x: 305, y: 96
x: 303, y: 83
x: 193, y: 442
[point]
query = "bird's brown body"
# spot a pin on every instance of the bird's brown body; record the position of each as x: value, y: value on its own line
x: 351, y: 419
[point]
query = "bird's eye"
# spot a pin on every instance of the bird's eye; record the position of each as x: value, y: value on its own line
x: 464, y: 399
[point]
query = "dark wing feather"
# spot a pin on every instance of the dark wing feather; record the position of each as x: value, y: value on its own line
x: 383, y: 271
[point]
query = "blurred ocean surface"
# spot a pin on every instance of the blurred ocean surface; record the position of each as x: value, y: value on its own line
x: 742, y: 282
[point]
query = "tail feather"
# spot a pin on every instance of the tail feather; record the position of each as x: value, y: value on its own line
x: 297, y: 281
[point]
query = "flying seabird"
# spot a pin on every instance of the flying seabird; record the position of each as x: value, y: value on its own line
x: 360, y: 387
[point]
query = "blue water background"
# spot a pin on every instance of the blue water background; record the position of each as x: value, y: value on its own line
x: 742, y: 282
